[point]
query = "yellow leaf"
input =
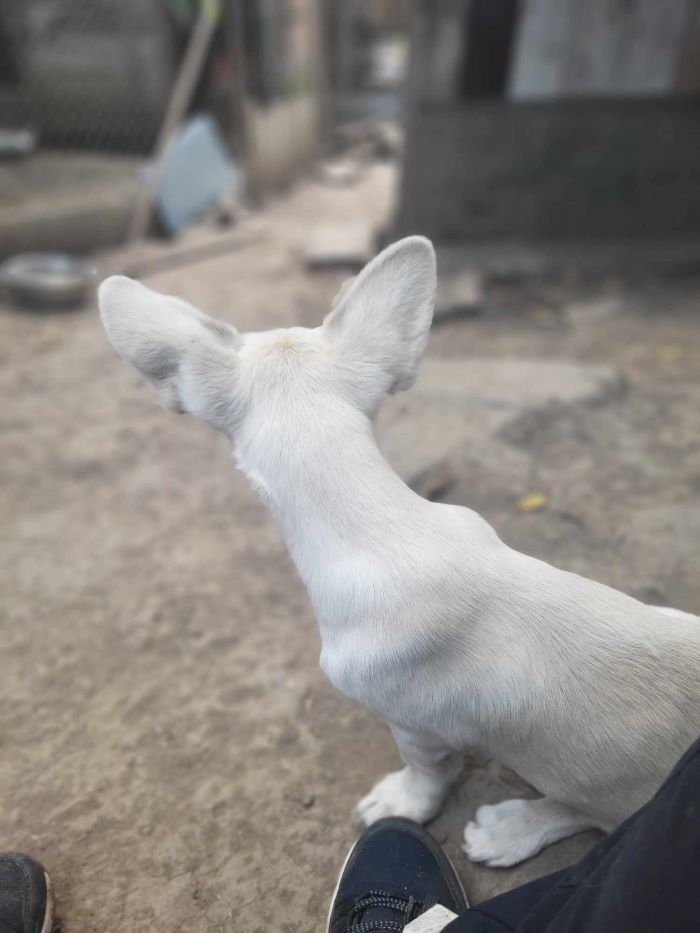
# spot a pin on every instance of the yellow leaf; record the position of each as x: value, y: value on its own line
x: 532, y: 502
x: 670, y: 353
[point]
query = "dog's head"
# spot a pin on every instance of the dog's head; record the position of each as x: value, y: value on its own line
x: 370, y: 344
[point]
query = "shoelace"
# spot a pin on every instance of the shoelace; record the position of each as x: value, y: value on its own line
x: 409, y: 907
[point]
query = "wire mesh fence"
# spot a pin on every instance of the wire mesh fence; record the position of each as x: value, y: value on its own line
x: 89, y: 74
x: 87, y: 83
x: 91, y: 82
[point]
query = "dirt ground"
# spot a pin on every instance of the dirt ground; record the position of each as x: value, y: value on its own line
x: 170, y: 748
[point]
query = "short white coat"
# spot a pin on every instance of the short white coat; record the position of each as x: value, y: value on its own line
x: 426, y: 616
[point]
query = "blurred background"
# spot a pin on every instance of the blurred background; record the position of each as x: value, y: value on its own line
x: 169, y: 747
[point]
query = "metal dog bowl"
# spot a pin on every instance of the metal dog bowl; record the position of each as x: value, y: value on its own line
x: 41, y: 281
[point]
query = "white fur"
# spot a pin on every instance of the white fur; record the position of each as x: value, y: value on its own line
x: 456, y: 640
x: 506, y: 833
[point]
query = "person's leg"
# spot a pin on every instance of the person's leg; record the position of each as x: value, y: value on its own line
x: 643, y: 877
x: 26, y: 895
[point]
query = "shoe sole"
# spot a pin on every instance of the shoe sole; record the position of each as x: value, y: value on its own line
x: 48, y: 916
x: 345, y: 865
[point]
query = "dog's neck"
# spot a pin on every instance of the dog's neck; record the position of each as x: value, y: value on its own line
x: 335, y: 497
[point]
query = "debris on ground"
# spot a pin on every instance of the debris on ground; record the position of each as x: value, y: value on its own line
x: 532, y: 502
x: 459, y: 293
x: 340, y: 173
x: 592, y: 309
x: 670, y: 353
x: 370, y: 138
x: 338, y: 246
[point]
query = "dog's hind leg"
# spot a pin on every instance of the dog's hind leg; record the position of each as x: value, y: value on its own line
x: 418, y: 791
x: 506, y: 833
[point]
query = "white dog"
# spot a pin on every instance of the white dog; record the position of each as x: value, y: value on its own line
x: 456, y: 640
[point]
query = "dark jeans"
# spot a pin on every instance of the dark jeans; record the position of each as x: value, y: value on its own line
x: 643, y: 878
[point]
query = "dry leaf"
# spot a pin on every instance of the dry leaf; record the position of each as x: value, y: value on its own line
x: 532, y: 502
x: 670, y: 353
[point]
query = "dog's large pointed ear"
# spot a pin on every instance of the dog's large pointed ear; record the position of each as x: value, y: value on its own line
x: 381, y: 319
x: 188, y: 356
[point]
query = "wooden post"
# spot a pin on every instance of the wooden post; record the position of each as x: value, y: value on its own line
x: 180, y: 98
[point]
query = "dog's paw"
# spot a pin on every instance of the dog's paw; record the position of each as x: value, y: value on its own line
x: 502, y: 834
x: 402, y: 793
x: 506, y: 833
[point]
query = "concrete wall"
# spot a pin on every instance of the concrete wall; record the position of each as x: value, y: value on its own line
x: 480, y: 169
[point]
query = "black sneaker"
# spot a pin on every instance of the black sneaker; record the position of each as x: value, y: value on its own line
x: 394, y: 873
x: 26, y: 895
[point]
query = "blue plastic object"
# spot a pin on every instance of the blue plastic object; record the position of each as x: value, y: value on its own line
x: 198, y: 173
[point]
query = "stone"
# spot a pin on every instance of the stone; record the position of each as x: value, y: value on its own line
x: 347, y: 245
x: 514, y: 384
x: 460, y: 293
x: 339, y: 173
x: 462, y: 401
x: 419, y: 434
